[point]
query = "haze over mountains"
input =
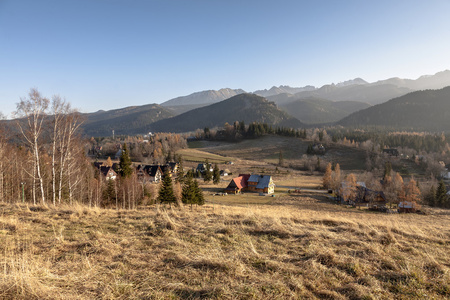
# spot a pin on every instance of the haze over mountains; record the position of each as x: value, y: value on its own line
x: 427, y: 110
x: 297, y: 106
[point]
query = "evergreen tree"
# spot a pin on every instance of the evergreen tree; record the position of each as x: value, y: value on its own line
x: 216, y: 174
x: 207, y: 175
x: 109, y: 192
x: 441, y: 194
x: 166, y: 194
x: 387, y: 170
x: 125, y: 163
x: 188, y: 194
x: 199, y: 198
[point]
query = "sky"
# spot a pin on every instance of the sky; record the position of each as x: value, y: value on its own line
x: 107, y: 54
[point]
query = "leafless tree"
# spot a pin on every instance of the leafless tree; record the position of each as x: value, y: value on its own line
x: 32, y: 112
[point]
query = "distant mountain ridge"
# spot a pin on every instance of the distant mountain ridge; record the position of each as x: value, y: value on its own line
x: 124, y: 121
x: 318, y: 111
x: 282, y: 89
x: 204, y: 97
x: 427, y: 110
x: 243, y: 107
x: 308, y: 104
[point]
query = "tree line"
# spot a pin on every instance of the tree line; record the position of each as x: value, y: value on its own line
x: 239, y: 131
x: 45, y: 162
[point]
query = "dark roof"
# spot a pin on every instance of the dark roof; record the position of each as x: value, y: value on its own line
x: 105, y: 170
x: 151, y: 170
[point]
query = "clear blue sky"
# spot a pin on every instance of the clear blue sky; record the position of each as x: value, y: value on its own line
x: 105, y: 54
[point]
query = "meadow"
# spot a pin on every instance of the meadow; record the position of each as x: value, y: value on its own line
x: 290, y: 246
x: 293, y: 247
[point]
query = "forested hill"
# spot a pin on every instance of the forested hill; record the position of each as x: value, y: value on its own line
x: 127, y: 120
x: 315, y: 111
x: 244, y: 107
x: 427, y: 110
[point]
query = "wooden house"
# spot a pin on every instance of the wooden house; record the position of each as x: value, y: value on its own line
x: 261, y: 184
x: 237, y: 184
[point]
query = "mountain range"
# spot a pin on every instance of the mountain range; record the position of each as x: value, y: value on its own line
x: 342, y: 102
x: 243, y: 107
x: 427, y: 110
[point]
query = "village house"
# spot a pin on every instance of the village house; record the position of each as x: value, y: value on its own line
x: 365, y: 196
x: 261, y: 184
x: 253, y: 183
x: 106, y: 171
x: 202, y: 168
x: 149, y: 173
x: 238, y: 184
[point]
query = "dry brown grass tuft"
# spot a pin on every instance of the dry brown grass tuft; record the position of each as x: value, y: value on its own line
x: 282, y: 250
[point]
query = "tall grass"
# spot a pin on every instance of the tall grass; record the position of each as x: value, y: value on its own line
x: 264, y: 252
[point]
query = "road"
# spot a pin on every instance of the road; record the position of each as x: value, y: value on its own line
x: 303, y: 190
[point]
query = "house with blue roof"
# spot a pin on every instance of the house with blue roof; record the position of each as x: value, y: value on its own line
x: 261, y: 183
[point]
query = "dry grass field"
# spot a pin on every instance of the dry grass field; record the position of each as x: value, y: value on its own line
x: 294, y: 247
x: 267, y: 149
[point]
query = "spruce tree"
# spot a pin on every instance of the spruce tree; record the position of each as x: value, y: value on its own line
x: 199, y: 198
x: 188, y: 194
x: 441, y: 194
x: 166, y: 194
x: 432, y: 196
x: 207, y: 176
x: 125, y: 163
x: 216, y: 174
x: 109, y: 192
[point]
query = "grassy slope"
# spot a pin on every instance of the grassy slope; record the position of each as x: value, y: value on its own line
x: 267, y: 149
x: 296, y: 247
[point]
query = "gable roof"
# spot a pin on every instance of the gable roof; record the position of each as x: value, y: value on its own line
x: 263, y: 181
x: 239, y: 182
x: 106, y: 170
x: 151, y: 170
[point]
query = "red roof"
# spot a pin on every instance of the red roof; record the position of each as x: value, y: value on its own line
x: 241, y: 181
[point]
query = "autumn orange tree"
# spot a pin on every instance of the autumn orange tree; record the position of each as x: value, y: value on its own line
x: 412, y: 192
x: 327, y: 180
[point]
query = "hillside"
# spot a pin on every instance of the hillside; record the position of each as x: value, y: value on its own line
x: 372, y: 94
x: 204, y: 97
x: 244, y: 107
x: 422, y: 110
x: 293, y: 247
x: 315, y: 111
x: 127, y: 120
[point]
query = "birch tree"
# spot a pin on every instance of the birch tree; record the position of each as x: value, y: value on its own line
x: 31, y: 112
